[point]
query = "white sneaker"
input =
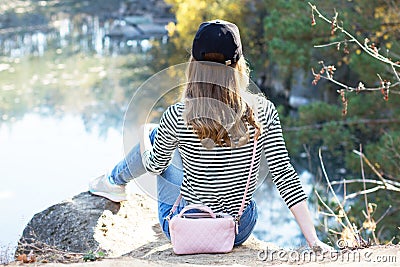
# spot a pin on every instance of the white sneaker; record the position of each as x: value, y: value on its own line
x: 101, y: 186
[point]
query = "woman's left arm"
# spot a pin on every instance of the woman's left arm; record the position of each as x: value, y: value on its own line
x: 304, y: 220
x: 286, y: 178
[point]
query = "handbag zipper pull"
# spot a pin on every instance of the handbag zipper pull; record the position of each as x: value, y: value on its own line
x: 168, y: 218
x: 237, y: 223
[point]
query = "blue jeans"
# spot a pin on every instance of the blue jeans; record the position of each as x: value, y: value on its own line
x: 168, y: 189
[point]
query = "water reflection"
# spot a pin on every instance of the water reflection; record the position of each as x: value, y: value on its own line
x: 73, y: 68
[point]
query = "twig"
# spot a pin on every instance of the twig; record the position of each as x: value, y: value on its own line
x: 335, y: 232
x: 333, y: 44
x: 344, y: 194
x: 364, y: 186
x: 384, y: 214
x: 44, y: 252
x: 330, y: 210
x: 350, y: 88
x: 395, y: 72
x: 369, y: 218
x: 367, y: 191
x: 47, y: 253
x: 387, y: 185
x: 371, y: 166
x: 307, y: 150
x: 390, y: 241
x: 327, y: 214
x: 394, y: 183
x: 371, y: 50
x: 365, y: 47
x: 334, y: 194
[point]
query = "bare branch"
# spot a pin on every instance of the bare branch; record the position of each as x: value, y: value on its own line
x: 372, y: 52
x: 353, y: 195
x: 371, y: 166
x: 369, y: 217
x: 333, y: 44
x: 370, y: 49
x: 395, y: 72
x: 384, y: 214
x: 330, y: 210
x: 394, y: 183
x: 329, y: 77
x: 354, y: 232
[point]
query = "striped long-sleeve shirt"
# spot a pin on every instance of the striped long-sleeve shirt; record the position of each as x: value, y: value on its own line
x: 217, y: 177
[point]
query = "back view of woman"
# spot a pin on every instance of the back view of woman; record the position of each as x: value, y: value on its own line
x: 203, y: 145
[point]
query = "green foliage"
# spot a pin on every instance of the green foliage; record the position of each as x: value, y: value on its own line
x: 369, y: 122
x: 311, y: 126
x: 93, y: 256
x: 288, y: 34
x: 388, y: 156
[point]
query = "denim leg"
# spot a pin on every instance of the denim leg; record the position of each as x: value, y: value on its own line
x: 247, y: 223
x: 168, y: 183
x: 131, y: 166
x: 168, y: 188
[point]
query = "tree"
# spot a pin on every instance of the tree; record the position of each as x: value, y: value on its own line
x: 369, y: 120
x: 247, y: 14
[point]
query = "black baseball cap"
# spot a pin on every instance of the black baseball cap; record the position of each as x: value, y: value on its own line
x: 217, y: 36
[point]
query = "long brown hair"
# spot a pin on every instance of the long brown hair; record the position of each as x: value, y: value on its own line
x: 214, y: 104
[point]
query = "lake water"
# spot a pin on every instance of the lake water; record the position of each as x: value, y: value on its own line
x: 63, y: 94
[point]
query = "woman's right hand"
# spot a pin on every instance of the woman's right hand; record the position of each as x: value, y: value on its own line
x: 320, y: 246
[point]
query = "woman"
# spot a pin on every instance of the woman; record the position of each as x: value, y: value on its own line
x: 213, y: 129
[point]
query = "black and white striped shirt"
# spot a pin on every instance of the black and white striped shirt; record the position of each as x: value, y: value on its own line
x: 217, y: 177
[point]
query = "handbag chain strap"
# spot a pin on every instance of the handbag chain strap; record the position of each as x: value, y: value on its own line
x: 237, y: 218
x: 248, y: 181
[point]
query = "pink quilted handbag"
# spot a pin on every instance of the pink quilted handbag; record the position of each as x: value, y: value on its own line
x: 204, y: 231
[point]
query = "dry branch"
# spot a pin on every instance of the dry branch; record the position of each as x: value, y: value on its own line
x: 394, y: 183
x: 371, y: 50
x: 385, y: 183
x: 350, y: 226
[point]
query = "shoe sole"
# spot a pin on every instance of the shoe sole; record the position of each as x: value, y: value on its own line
x: 113, y: 198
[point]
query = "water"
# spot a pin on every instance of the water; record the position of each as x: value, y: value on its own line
x: 45, y: 161
x: 63, y: 94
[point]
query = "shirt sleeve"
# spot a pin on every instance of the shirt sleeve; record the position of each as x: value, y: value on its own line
x: 283, y: 174
x: 165, y: 142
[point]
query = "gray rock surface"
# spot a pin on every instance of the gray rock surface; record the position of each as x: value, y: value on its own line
x: 68, y: 226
